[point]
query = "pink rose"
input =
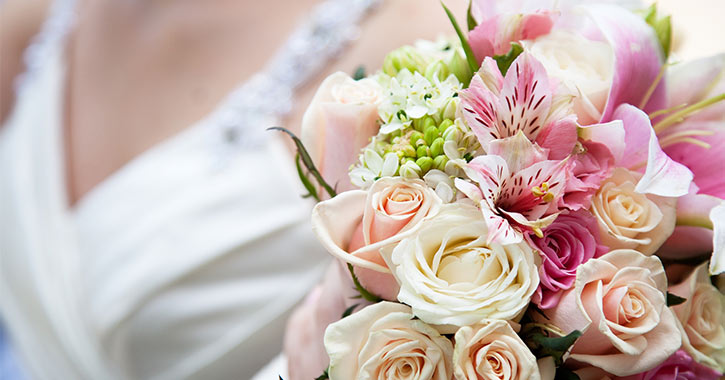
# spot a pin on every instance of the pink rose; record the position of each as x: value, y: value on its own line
x: 339, y: 122
x: 356, y: 224
x: 618, y: 303
x: 679, y: 366
x: 567, y: 243
x: 590, y: 167
x: 494, y: 36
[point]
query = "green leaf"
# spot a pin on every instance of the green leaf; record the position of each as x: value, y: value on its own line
x: 324, y: 376
x: 565, y: 374
x: 674, y: 300
x: 555, y: 347
x: 662, y: 27
x: 349, y: 310
x: 359, y: 73
x: 470, y: 57
x: 307, y: 160
x: 364, y: 293
x: 469, y: 17
x: 312, y: 192
x: 504, y: 61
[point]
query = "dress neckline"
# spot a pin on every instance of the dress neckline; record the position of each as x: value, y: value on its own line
x: 234, y: 123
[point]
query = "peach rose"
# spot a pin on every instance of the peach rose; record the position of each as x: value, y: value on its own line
x: 702, y: 318
x: 631, y: 220
x: 618, y: 303
x: 356, y: 224
x: 492, y: 350
x: 385, y: 341
x: 338, y: 123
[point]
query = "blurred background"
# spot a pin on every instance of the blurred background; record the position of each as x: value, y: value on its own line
x: 150, y: 227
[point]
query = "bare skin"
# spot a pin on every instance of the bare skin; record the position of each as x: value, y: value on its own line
x: 141, y: 71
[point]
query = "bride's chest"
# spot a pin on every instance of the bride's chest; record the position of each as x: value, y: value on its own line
x: 136, y: 77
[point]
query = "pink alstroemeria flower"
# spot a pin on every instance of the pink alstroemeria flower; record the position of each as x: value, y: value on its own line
x: 494, y: 35
x: 517, y: 191
x: 497, y: 107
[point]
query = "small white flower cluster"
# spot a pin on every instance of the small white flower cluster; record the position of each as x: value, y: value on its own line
x: 411, y: 96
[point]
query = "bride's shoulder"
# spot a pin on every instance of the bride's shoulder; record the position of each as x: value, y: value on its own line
x: 20, y: 20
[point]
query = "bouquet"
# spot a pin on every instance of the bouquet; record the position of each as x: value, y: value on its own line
x: 538, y: 197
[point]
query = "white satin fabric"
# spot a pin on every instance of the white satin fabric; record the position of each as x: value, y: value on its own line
x: 174, y: 267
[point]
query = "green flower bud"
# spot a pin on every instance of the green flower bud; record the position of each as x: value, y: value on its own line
x: 415, y: 136
x: 423, y: 123
x: 422, y: 151
x: 436, y: 149
x: 406, y: 159
x: 425, y: 163
x: 431, y: 133
x: 406, y: 57
x: 444, y: 125
x: 440, y: 162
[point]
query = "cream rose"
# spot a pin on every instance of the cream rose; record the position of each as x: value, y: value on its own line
x: 356, y: 224
x: 340, y: 120
x: 492, y: 350
x: 618, y: 302
x: 384, y: 341
x: 632, y: 220
x: 449, y: 275
x: 702, y: 318
x: 585, y: 67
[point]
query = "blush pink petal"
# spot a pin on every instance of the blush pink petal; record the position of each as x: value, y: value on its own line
x: 708, y: 177
x: 481, y: 38
x: 662, y: 175
x: 588, y: 170
x: 334, y: 133
x: 534, y: 25
x: 494, y: 35
x: 559, y: 137
x: 638, y: 57
x: 334, y: 222
x: 382, y: 285
x: 348, y: 129
x: 692, y: 81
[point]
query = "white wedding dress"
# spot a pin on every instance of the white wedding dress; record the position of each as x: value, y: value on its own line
x: 183, y: 264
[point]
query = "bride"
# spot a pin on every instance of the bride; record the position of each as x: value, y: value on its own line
x: 150, y: 227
